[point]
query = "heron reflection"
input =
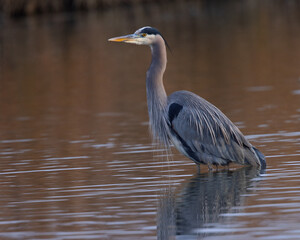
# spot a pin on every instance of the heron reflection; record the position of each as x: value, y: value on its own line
x: 202, y: 202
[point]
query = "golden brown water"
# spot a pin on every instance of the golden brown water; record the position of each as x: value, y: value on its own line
x: 76, y: 160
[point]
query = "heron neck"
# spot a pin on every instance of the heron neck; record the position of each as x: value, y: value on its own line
x: 156, y: 94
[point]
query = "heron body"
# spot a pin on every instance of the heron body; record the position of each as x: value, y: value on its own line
x: 197, y: 128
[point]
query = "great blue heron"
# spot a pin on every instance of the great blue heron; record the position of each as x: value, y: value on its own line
x: 198, y: 129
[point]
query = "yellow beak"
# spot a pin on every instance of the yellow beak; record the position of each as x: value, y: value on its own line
x: 131, y: 38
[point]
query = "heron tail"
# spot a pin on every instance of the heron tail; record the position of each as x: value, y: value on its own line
x: 261, y: 158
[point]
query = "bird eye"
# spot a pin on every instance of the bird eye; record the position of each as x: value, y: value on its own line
x: 144, y: 34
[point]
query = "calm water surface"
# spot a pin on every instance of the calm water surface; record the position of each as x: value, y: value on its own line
x: 76, y: 160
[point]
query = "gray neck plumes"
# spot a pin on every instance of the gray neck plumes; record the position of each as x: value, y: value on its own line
x: 156, y: 94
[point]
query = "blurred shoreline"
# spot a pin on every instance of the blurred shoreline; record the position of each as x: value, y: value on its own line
x: 21, y: 8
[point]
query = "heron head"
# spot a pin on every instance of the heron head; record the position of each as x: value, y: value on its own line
x: 143, y: 36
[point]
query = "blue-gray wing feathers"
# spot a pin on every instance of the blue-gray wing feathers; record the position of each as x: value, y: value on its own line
x: 203, y: 133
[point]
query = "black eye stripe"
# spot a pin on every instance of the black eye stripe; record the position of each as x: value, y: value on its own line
x: 149, y: 30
